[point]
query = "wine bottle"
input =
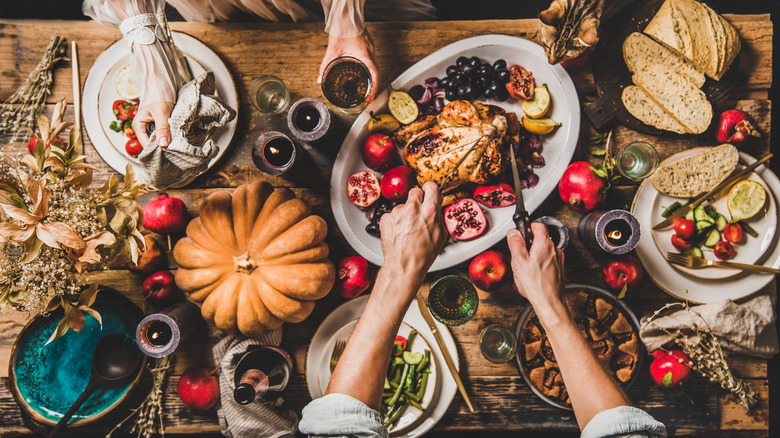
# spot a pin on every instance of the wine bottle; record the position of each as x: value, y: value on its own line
x: 261, y: 374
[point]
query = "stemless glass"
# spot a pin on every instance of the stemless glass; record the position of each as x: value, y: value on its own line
x: 346, y: 83
x: 269, y: 95
x: 637, y: 161
x: 497, y: 343
x: 453, y: 300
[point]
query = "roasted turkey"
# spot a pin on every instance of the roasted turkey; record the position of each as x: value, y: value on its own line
x: 435, y: 147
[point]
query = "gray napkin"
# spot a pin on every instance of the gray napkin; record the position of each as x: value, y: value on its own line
x: 745, y: 328
x: 197, y: 110
x: 255, y: 419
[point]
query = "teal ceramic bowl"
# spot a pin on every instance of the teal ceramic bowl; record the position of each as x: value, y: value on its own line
x: 47, y: 379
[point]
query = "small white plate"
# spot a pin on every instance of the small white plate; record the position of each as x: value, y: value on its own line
x: 418, y: 345
x: 558, y: 146
x: 687, y: 287
x: 445, y: 388
x: 100, y: 94
x: 749, y: 251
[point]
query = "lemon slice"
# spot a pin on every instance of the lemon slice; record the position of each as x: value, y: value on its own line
x: 746, y: 199
x: 539, y: 126
x: 402, y: 106
x: 538, y: 105
x: 383, y: 123
x: 124, y: 84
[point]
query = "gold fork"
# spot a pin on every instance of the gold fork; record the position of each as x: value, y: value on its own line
x: 338, y: 349
x: 692, y: 262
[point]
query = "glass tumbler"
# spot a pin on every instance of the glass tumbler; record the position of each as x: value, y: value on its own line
x: 269, y: 95
x: 637, y: 161
x: 453, y: 300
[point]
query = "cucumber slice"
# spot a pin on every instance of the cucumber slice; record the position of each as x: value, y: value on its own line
x: 701, y: 225
x: 712, y: 238
x: 696, y: 252
x: 689, y: 215
x: 701, y: 215
x: 720, y: 223
x: 415, y: 358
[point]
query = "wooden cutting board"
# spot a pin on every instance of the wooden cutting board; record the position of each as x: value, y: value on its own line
x: 611, y: 74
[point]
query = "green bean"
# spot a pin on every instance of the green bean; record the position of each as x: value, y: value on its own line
x: 423, y: 385
x: 410, y: 339
x: 414, y: 404
x: 424, y: 363
x: 410, y: 396
x: 393, y: 415
x: 410, y: 377
x: 671, y: 209
x: 748, y: 229
x: 400, y: 387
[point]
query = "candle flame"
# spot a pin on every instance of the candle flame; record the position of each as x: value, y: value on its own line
x: 615, y: 235
x: 273, y: 150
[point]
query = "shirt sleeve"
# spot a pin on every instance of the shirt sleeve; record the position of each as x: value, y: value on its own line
x: 624, y: 422
x: 341, y: 415
x: 154, y: 64
x: 344, y: 18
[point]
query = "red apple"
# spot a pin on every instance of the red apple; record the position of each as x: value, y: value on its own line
x: 622, y: 274
x: 489, y: 270
x: 165, y: 215
x: 198, y: 389
x: 397, y: 182
x: 151, y: 259
x: 160, y: 289
x: 352, y: 278
x: 57, y: 141
x: 379, y: 152
x: 670, y: 368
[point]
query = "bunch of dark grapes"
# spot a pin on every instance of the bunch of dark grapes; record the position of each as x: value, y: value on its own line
x: 469, y: 78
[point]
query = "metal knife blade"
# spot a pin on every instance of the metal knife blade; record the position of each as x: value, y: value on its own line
x: 521, y: 217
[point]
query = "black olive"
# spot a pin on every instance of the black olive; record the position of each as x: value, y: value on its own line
x: 373, y: 229
x: 461, y: 79
x: 475, y: 62
x: 462, y: 61
x: 503, y: 75
x: 499, y: 65
x: 464, y: 91
x: 451, y: 94
x: 502, y: 94
x: 452, y: 70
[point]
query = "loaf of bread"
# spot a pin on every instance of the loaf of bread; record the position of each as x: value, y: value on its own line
x: 697, y: 33
x: 696, y: 174
x: 677, y: 95
x: 644, y: 108
x: 642, y: 53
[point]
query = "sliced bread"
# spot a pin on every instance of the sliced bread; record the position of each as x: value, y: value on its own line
x: 696, y: 174
x: 703, y: 42
x: 733, y: 45
x: 682, y: 99
x: 644, y: 108
x: 642, y: 52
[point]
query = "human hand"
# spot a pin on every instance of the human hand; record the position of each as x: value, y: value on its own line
x: 360, y: 47
x: 159, y: 113
x: 538, y: 273
x: 413, y: 233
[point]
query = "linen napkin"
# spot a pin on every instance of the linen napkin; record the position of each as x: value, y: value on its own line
x: 197, y: 111
x: 745, y: 328
x: 255, y: 419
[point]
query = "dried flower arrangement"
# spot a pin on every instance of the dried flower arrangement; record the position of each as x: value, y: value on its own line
x: 54, y: 229
x: 706, y: 354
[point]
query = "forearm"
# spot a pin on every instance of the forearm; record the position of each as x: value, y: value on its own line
x: 590, y: 386
x: 363, y: 365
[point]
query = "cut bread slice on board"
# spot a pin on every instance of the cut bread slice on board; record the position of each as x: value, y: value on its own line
x: 642, y: 52
x: 681, y: 98
x: 696, y: 174
x: 732, y: 47
x: 644, y: 108
x: 703, y: 42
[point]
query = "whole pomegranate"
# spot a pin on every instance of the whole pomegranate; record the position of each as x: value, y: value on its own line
x: 363, y: 188
x: 489, y: 270
x: 495, y: 196
x: 165, y: 215
x: 736, y: 128
x: 670, y: 368
x: 198, y: 388
x: 397, y: 182
x: 581, y: 188
x: 379, y: 152
x: 464, y: 219
x: 352, y: 278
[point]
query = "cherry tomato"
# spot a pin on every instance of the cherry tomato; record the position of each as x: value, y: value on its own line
x: 680, y: 243
x: 129, y: 132
x: 732, y: 233
x: 119, y: 110
x: 521, y: 83
x: 133, y: 147
x: 132, y: 111
x: 399, y: 345
x: 685, y: 228
x: 723, y: 250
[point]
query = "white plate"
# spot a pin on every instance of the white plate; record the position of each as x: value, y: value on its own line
x: 749, y: 251
x: 558, y: 146
x: 688, y: 287
x: 100, y: 94
x: 411, y: 414
x: 445, y: 383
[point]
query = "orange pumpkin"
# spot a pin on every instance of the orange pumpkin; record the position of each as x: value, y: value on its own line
x: 255, y: 260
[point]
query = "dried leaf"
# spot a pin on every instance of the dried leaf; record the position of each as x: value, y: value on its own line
x: 54, y: 302
x: 59, y: 127
x: 90, y: 254
x: 32, y: 249
x: 119, y: 223
x: 57, y: 234
x: 31, y: 162
x: 132, y: 247
x: 17, y: 201
x: 21, y: 215
x: 15, y: 233
x: 80, y: 178
x: 88, y: 297
x: 53, y: 161
x: 43, y: 127
x: 76, y: 320
x: 122, y: 201
x: 62, y: 328
x: 92, y: 312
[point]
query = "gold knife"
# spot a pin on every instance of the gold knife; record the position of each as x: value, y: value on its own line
x: 426, y: 314
x: 728, y: 182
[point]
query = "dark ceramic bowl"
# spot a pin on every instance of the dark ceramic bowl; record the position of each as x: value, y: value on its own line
x: 46, y: 379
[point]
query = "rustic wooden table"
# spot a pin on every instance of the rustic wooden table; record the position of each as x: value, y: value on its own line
x: 293, y: 53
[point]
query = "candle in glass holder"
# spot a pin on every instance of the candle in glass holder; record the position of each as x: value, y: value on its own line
x: 556, y: 230
x: 614, y: 231
x: 309, y: 120
x: 274, y: 153
x: 159, y: 334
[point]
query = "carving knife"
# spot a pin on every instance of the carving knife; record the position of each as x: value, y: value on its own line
x: 521, y: 217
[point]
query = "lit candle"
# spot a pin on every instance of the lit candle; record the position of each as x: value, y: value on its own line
x: 274, y: 153
x: 614, y: 231
x: 309, y: 120
x: 159, y: 334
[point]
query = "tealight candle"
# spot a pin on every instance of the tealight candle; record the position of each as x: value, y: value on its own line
x: 309, y: 120
x: 614, y: 231
x: 159, y: 334
x: 274, y: 153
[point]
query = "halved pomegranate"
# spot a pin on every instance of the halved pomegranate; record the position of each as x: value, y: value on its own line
x: 495, y: 196
x: 464, y: 219
x: 363, y: 188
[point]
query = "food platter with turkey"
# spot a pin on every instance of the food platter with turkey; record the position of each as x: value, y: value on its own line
x: 558, y: 146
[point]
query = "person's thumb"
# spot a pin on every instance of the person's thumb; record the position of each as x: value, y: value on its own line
x: 162, y: 130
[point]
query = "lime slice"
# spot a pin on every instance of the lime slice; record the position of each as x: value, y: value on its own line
x: 537, y: 106
x: 124, y: 84
x: 539, y: 126
x: 746, y: 199
x: 402, y: 106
